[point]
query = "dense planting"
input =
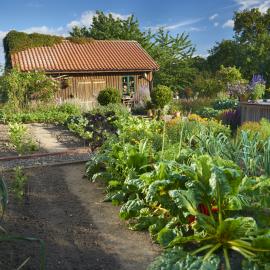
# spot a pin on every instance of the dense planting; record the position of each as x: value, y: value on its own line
x: 199, y: 192
x: 47, y: 113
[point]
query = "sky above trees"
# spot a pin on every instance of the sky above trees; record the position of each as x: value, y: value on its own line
x: 207, y: 21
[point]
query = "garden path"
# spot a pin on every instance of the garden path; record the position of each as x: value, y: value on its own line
x: 46, y: 139
x: 67, y: 211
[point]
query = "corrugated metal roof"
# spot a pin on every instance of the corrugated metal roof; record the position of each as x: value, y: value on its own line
x: 97, y: 55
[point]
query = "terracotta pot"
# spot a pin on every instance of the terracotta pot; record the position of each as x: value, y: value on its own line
x: 149, y: 113
x: 243, y: 98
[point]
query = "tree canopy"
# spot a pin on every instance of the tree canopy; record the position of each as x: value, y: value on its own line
x: 249, y: 50
x: 108, y: 27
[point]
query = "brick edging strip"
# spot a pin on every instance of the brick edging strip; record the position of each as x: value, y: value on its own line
x: 69, y: 151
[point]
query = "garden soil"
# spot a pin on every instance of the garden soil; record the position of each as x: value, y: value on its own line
x: 79, y: 229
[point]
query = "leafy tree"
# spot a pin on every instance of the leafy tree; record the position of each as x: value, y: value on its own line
x: 206, y: 85
x: 250, y: 49
x: 226, y: 53
x: 19, y: 88
x: 107, y: 27
x: 229, y: 74
x: 174, y: 56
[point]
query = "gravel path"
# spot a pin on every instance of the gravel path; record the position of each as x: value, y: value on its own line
x: 55, y: 148
x: 50, y: 159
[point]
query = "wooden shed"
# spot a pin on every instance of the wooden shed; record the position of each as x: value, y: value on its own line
x: 84, y: 69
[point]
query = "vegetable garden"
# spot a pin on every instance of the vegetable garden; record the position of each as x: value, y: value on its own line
x: 200, y: 192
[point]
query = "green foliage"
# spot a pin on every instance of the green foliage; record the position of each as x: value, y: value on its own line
x: 193, y: 105
x: 20, y: 139
x: 192, y: 186
x: 106, y: 26
x: 208, y: 112
x: 224, y: 104
x: 109, y: 95
x: 161, y: 95
x: 227, y: 53
x: 19, y: 41
x: 250, y: 47
x: 174, y: 56
x: 3, y: 197
x: 261, y: 128
x: 258, y: 91
x: 41, y: 114
x: 229, y: 75
x: 177, y: 259
x: 20, y: 88
x: 206, y: 85
x: 20, y: 183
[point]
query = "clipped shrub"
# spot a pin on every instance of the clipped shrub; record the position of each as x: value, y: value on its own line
x: 161, y: 95
x: 109, y: 95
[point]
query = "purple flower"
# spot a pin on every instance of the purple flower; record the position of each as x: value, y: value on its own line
x: 257, y: 79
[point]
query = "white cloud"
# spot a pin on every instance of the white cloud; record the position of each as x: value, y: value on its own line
x: 45, y: 30
x: 176, y: 25
x: 86, y: 18
x: 214, y: 16
x: 262, y: 5
x: 216, y: 24
x: 228, y: 24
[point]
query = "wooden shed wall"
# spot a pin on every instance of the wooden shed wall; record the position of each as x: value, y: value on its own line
x: 254, y: 112
x: 86, y: 87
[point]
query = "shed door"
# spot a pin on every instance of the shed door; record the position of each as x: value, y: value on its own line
x: 84, y: 90
x: 98, y: 85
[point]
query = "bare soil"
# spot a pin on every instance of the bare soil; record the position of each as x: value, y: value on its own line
x: 80, y: 231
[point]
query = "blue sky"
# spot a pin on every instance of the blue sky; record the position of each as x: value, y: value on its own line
x: 207, y: 21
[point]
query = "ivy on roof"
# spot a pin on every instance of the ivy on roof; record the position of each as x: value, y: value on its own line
x: 16, y: 41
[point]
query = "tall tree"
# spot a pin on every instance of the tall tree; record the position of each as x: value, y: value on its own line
x: 250, y: 48
x: 108, y: 27
x: 174, y: 55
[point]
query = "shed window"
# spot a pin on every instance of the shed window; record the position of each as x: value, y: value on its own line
x: 128, y: 85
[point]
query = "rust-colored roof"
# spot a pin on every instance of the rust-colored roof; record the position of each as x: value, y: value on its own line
x: 97, y: 55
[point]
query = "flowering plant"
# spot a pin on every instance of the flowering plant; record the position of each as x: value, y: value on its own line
x: 255, y: 89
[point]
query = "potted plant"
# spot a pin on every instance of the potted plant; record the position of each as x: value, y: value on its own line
x: 257, y: 88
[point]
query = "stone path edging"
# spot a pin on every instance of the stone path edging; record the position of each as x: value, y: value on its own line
x: 75, y: 155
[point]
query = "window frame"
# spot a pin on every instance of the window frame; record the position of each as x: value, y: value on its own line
x: 128, y: 84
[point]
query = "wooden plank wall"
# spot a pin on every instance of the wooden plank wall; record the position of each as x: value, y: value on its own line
x: 87, y: 87
x: 254, y: 112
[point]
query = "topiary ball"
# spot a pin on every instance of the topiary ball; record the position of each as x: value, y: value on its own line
x: 109, y: 95
x: 161, y: 96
